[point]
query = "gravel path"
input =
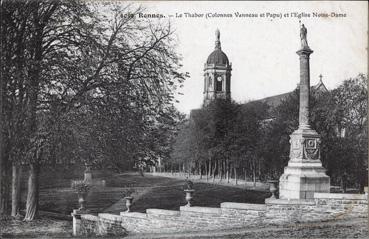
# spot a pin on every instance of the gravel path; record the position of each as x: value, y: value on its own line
x: 355, y: 228
x: 48, y: 228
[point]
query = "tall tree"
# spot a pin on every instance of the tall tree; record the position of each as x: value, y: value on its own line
x: 78, y: 61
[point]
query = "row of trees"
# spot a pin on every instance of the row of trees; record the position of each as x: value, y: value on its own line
x: 252, y: 139
x: 221, y: 139
x: 82, y: 81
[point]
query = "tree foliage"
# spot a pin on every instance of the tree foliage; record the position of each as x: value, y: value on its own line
x: 86, y: 82
x: 221, y: 137
x: 255, y: 138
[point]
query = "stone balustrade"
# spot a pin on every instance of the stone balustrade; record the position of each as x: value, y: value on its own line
x: 324, y: 206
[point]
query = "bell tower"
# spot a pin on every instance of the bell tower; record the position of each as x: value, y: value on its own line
x: 217, y: 74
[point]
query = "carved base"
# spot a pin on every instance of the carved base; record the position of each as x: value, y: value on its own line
x: 304, y: 174
x: 303, y: 182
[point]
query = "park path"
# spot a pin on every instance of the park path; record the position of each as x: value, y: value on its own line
x: 353, y: 228
x: 120, y: 205
x: 168, y: 188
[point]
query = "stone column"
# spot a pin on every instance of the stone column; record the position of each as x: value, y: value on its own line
x: 304, y: 174
x: 304, y: 87
x: 76, y: 222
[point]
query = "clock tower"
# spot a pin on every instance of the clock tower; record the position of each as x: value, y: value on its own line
x: 217, y: 74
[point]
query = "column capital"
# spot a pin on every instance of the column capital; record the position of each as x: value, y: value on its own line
x: 304, y: 52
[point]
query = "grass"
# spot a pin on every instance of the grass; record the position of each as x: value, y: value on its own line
x: 149, y: 192
x: 164, y: 193
x: 171, y: 196
x: 39, y: 228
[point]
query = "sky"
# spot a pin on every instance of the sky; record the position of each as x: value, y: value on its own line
x: 262, y: 50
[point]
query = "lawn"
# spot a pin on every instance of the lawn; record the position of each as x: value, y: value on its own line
x: 149, y: 192
x: 165, y: 193
x: 57, y: 197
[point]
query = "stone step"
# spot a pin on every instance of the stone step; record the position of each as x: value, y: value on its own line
x: 243, y: 206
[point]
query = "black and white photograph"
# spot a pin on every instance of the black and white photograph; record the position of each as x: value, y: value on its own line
x: 183, y: 119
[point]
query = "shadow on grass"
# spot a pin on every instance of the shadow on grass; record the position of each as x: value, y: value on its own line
x: 38, y: 228
x: 207, y: 195
x: 153, y: 191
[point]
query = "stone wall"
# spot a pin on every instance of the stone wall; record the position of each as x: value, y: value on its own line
x: 230, y: 215
x: 101, y: 225
x: 324, y: 206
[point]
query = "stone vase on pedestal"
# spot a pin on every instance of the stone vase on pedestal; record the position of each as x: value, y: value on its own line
x: 273, y: 188
x: 82, y: 196
x: 88, y: 173
x: 189, y: 197
x: 129, y: 201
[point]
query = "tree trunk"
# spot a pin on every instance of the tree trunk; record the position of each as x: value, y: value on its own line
x: 200, y: 169
x: 235, y: 174
x: 221, y: 171
x: 5, y: 185
x: 2, y: 181
x: 227, y: 171
x: 209, y: 167
x: 16, y: 189
x: 207, y: 171
x: 215, y: 167
x: 32, y: 195
x: 1, y: 151
x: 254, y: 175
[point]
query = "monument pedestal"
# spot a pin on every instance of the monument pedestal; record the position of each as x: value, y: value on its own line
x: 304, y: 174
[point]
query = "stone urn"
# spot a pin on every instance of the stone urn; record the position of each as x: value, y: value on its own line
x: 129, y: 201
x: 273, y: 187
x: 82, y: 189
x: 82, y: 196
x: 189, y: 196
x: 88, y: 173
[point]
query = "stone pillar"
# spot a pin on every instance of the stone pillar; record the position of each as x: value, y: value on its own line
x: 76, y: 222
x: 304, y: 174
x: 304, y: 87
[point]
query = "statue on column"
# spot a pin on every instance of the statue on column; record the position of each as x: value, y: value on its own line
x: 303, y: 33
x: 217, y: 39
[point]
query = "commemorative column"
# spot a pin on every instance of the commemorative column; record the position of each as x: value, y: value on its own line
x: 304, y: 174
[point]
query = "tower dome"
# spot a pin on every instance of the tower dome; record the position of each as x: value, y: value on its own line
x: 217, y: 57
x: 217, y: 74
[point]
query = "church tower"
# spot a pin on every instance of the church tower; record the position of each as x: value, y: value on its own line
x: 217, y: 74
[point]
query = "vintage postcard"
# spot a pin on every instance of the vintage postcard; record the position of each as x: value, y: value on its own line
x: 184, y: 119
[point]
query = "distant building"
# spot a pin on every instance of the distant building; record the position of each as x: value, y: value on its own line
x: 217, y: 74
x: 274, y: 101
x: 217, y: 80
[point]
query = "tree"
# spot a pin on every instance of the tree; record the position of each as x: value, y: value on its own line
x: 78, y: 62
x: 221, y: 138
x: 341, y: 117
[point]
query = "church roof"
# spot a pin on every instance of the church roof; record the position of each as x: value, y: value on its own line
x: 275, y: 100
x: 320, y: 87
x: 217, y: 57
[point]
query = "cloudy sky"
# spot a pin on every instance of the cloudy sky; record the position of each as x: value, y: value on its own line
x: 263, y: 49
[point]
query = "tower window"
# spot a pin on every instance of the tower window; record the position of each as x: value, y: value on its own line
x: 219, y: 83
